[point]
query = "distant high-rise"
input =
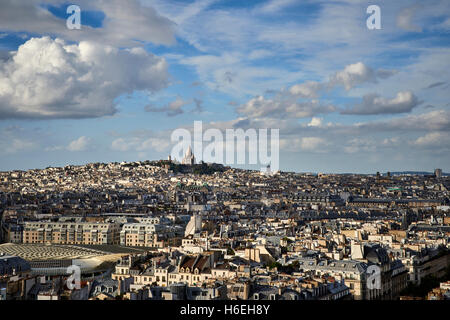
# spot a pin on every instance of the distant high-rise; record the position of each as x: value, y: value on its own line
x: 438, y: 173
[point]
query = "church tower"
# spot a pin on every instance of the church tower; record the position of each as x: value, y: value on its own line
x: 188, y: 157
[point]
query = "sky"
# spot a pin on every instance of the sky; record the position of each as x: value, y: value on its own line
x: 344, y: 97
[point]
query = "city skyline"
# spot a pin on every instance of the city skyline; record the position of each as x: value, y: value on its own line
x: 345, y: 98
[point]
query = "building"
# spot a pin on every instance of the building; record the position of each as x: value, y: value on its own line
x: 140, y: 234
x: 71, y: 233
x: 189, y: 158
x: 12, y: 233
x: 194, y: 226
x: 15, y: 277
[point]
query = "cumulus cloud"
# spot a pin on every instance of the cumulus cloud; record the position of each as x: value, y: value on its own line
x: 286, y: 103
x: 259, y: 106
x: 433, y: 139
x: 48, y: 78
x: 315, y: 122
x: 172, y: 109
x: 126, y: 23
x: 352, y: 75
x: 438, y: 120
x: 403, y: 102
x: 80, y: 144
x: 308, y: 89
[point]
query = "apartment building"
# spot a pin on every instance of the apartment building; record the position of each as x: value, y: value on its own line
x: 71, y: 233
x: 149, y: 233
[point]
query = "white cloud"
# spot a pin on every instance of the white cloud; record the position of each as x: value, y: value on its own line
x: 403, y: 102
x: 434, y: 139
x: 286, y: 103
x: 352, y: 75
x: 50, y: 79
x: 315, y: 122
x: 308, y: 89
x: 80, y: 144
x: 172, y: 109
x: 126, y: 23
x: 438, y: 120
x: 259, y: 107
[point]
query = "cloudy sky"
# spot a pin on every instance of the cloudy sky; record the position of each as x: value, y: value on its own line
x: 345, y: 98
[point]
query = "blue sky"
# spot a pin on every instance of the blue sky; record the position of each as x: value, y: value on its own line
x: 345, y: 98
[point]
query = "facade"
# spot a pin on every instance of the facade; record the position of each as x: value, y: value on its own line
x: 12, y: 233
x: 355, y: 274
x: 194, y: 226
x: 189, y: 158
x: 420, y: 267
x: 139, y: 234
x: 71, y: 233
x: 150, y: 232
x: 15, y: 277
